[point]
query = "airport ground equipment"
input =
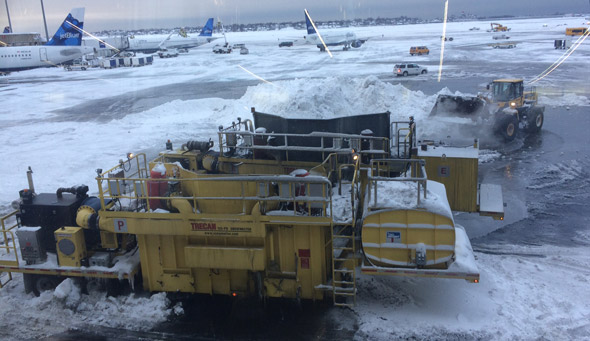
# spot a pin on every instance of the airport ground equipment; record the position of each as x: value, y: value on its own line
x: 562, y: 44
x: 576, y: 31
x: 503, y: 45
x: 500, y: 37
x: 496, y: 27
x: 283, y: 210
x: 419, y: 50
x: 168, y: 52
x: 507, y: 108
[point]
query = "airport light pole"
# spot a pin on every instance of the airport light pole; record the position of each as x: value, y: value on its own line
x: 8, y: 13
x: 44, y: 21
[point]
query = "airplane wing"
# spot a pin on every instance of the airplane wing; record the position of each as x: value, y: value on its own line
x: 163, y: 42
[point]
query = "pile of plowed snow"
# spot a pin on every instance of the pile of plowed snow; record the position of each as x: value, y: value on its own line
x: 67, y: 308
x: 337, y: 96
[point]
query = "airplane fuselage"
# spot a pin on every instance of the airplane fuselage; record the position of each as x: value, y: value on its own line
x: 30, y: 57
x: 152, y: 43
x: 332, y: 39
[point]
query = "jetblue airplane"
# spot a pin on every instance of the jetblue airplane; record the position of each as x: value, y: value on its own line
x: 65, y: 45
x: 153, y: 43
x: 347, y: 39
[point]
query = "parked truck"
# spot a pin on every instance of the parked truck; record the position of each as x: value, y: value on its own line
x: 293, y: 213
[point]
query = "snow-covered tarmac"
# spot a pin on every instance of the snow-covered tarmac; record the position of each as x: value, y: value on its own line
x: 526, y: 291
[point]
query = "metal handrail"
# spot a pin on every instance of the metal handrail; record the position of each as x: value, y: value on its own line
x: 140, y: 172
x: 325, y: 198
x: 6, y: 231
x: 337, y: 140
x: 419, y: 175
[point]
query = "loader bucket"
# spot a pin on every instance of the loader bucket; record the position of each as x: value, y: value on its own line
x: 457, y: 105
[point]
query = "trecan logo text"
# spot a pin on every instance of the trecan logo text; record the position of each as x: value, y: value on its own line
x: 204, y: 226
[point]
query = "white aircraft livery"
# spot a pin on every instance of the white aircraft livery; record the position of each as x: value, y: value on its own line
x: 65, y: 45
x: 153, y: 43
x: 347, y: 39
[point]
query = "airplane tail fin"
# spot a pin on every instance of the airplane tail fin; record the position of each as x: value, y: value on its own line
x: 207, y: 29
x: 70, y: 31
x: 310, y: 29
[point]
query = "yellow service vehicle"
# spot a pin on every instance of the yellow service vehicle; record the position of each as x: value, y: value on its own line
x: 576, y: 31
x: 282, y: 214
x: 507, y: 107
x: 495, y: 27
x: 419, y: 50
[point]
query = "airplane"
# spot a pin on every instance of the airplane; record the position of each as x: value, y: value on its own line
x: 153, y: 43
x: 347, y: 39
x: 64, y: 46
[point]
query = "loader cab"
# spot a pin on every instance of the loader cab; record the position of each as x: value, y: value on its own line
x: 508, y: 92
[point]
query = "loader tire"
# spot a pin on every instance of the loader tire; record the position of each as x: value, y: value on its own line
x: 507, y: 127
x: 424, y: 71
x: 535, y: 120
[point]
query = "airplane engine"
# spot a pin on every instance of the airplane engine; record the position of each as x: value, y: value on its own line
x: 356, y: 43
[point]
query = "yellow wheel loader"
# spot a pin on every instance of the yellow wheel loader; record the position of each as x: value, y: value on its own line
x: 495, y: 27
x: 507, y: 108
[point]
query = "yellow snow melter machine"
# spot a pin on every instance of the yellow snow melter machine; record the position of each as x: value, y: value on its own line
x: 293, y: 209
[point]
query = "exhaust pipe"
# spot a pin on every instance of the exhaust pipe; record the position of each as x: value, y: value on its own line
x: 30, y: 179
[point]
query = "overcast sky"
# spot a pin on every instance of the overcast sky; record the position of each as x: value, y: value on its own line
x: 129, y: 14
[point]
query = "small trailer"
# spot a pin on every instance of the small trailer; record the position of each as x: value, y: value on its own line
x: 562, y: 44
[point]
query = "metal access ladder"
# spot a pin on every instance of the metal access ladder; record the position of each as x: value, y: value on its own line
x: 344, y: 255
x: 7, y: 247
x: 343, y: 265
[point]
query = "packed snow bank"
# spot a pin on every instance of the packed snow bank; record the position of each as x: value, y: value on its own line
x: 518, y: 297
x: 67, y: 308
x: 337, y: 96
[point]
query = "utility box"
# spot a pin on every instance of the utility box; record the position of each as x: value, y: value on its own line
x: 71, y: 247
x: 50, y: 212
x: 31, y: 248
x: 456, y: 168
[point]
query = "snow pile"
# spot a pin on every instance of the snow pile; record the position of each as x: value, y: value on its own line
x: 518, y: 298
x: 336, y: 97
x: 464, y: 259
x: 341, y: 204
x: 67, y: 308
x: 487, y: 155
